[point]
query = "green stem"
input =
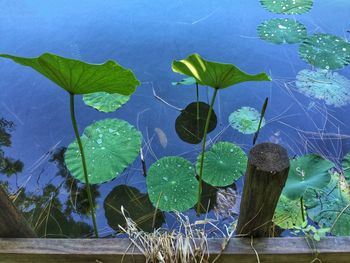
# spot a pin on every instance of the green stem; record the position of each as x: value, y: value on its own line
x: 197, y: 96
x: 302, y: 208
x: 203, y: 150
x: 77, y: 136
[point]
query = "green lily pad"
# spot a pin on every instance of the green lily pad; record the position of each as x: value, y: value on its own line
x: 246, y: 120
x: 223, y: 164
x: 213, y: 74
x: 331, y: 87
x: 172, y: 185
x: 346, y: 166
x: 191, y: 130
x: 185, y: 81
x: 137, y: 206
x: 328, y: 207
x: 110, y: 146
x: 78, y: 77
x: 308, y: 171
x: 105, y: 102
x: 288, y: 213
x: 325, y: 51
x: 287, y: 6
x: 282, y: 31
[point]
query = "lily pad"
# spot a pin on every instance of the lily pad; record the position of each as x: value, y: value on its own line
x: 288, y: 213
x: 331, y: 87
x: 191, y: 130
x: 138, y: 207
x: 110, y: 146
x: 105, y: 102
x: 308, y: 171
x: 246, y: 120
x: 329, y: 207
x: 78, y: 77
x: 172, y: 185
x: 282, y: 31
x: 287, y: 6
x: 213, y: 74
x: 346, y: 166
x: 185, y: 81
x: 223, y: 164
x: 325, y: 51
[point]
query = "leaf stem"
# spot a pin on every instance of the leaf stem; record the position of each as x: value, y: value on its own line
x: 81, y: 149
x: 203, y: 150
x: 302, y: 208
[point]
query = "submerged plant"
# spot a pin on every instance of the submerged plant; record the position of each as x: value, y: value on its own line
x: 217, y: 76
x: 77, y: 77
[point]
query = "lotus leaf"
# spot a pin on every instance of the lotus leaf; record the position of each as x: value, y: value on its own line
x: 223, y: 164
x: 78, y: 77
x: 331, y: 87
x: 172, y: 185
x: 287, y: 6
x: 185, y: 81
x: 325, y: 51
x: 246, y: 120
x: 288, y: 213
x: 105, y: 102
x: 213, y: 74
x: 308, y: 171
x: 282, y: 31
x: 110, y: 146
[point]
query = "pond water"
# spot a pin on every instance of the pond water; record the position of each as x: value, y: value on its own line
x: 146, y: 36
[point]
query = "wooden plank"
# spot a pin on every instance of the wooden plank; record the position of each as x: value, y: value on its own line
x: 12, y: 222
x: 289, y: 249
x: 267, y: 172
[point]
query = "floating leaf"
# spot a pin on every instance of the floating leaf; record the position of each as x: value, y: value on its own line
x: 78, y: 77
x: 246, y: 120
x: 213, y: 74
x: 331, y: 87
x: 137, y: 205
x: 287, y: 6
x: 185, y: 81
x: 282, y: 31
x: 346, y: 166
x: 110, y: 146
x: 325, y: 51
x: 191, y: 130
x: 329, y: 207
x: 224, y: 163
x: 105, y: 102
x: 288, y: 213
x: 172, y: 184
x: 308, y: 171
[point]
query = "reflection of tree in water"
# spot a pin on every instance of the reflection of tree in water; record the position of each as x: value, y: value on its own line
x: 8, y: 165
x: 78, y: 200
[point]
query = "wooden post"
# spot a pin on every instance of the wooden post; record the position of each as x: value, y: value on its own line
x: 266, y: 175
x: 12, y: 222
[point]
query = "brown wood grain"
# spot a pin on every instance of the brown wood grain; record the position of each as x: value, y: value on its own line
x: 266, y: 175
x: 290, y: 249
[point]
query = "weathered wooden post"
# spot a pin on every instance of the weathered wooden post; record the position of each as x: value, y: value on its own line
x: 12, y: 222
x: 266, y: 175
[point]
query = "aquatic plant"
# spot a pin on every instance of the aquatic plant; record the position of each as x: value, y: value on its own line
x: 190, y: 124
x: 105, y: 102
x: 246, y: 120
x: 282, y: 31
x: 346, y: 166
x: 310, y: 231
x: 325, y: 51
x: 331, y: 87
x: 77, y: 77
x: 110, y: 145
x: 308, y: 171
x: 262, y: 115
x: 288, y: 7
x: 329, y: 207
x: 172, y: 184
x: 138, y: 207
x: 289, y: 213
x: 217, y: 76
x: 224, y: 163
